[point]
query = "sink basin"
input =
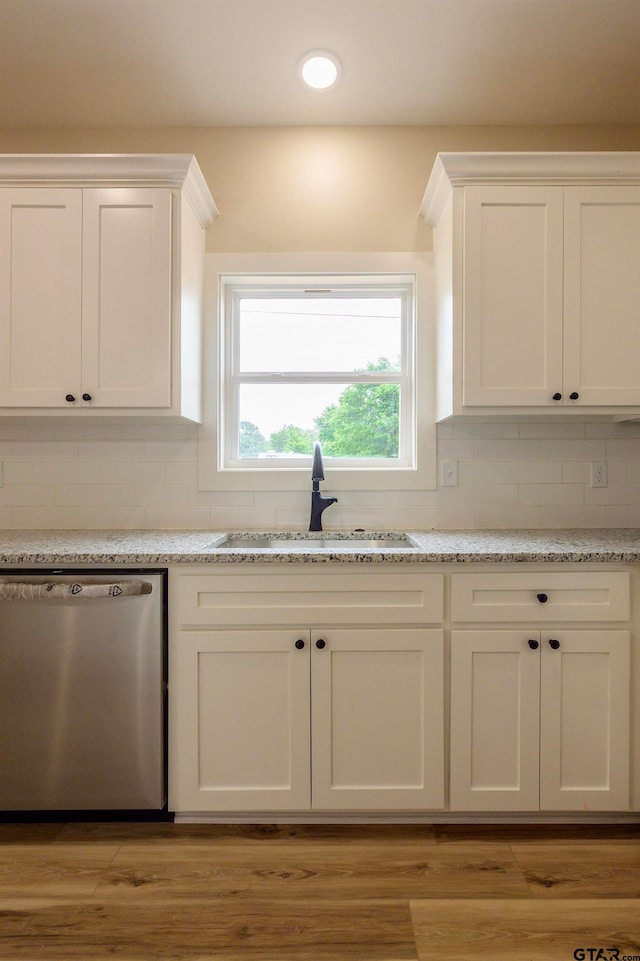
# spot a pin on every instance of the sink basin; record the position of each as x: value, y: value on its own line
x: 306, y: 543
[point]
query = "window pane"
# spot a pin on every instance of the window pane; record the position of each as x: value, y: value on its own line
x: 319, y: 333
x: 359, y: 420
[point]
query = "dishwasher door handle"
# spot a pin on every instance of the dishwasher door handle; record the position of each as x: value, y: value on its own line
x: 43, y: 590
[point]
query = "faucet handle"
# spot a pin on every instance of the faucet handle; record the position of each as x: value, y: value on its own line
x: 317, y: 468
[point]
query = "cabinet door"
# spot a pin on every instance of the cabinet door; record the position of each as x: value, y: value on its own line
x: 584, y: 721
x: 377, y: 719
x: 40, y: 296
x: 512, y: 340
x: 495, y: 692
x: 239, y: 733
x: 127, y: 297
x: 602, y: 294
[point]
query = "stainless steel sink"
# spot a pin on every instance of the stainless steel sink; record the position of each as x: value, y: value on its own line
x: 302, y: 543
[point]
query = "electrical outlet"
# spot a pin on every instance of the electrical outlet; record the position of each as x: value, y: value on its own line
x: 598, y: 474
x: 449, y: 473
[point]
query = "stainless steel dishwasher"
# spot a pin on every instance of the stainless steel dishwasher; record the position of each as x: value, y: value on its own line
x: 82, y: 690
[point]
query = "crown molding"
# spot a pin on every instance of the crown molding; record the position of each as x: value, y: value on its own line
x: 176, y: 171
x: 568, y: 169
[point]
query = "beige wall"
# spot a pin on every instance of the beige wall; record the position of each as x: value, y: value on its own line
x: 318, y: 188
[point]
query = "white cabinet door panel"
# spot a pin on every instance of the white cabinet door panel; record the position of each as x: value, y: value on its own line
x: 495, y: 693
x: 584, y: 721
x: 602, y: 294
x: 40, y: 296
x: 377, y: 719
x: 127, y: 297
x: 241, y: 738
x: 512, y: 344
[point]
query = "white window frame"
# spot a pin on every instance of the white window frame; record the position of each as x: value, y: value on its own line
x: 417, y: 470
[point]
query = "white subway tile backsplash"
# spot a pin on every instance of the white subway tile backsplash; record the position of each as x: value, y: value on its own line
x: 132, y: 472
x: 558, y: 517
x: 19, y: 472
x: 252, y: 518
x: 528, y: 472
x: 573, y: 450
x: 81, y: 495
x: 150, y: 495
x: 27, y: 495
x: 505, y: 450
x: 177, y: 518
x: 104, y: 518
x: 41, y: 518
x: 511, y: 474
x: 556, y: 494
x: 614, y: 494
x: 628, y: 516
x: 66, y: 472
x: 113, y: 450
x: 171, y: 450
x: 551, y: 431
x: 505, y: 518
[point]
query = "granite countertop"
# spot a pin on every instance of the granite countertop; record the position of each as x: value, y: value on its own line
x: 47, y: 547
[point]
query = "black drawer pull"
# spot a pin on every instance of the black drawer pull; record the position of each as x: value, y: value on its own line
x: 557, y: 396
x: 299, y: 644
x: 320, y: 644
x: 534, y: 645
x: 543, y: 598
x: 553, y: 644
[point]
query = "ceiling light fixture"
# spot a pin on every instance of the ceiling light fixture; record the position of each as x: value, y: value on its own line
x: 319, y: 69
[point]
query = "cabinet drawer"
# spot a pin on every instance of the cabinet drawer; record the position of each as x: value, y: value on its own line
x: 540, y: 597
x: 208, y: 600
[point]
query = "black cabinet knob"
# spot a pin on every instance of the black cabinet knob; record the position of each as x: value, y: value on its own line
x: 320, y: 644
x: 542, y: 598
x: 299, y: 644
x: 553, y: 644
x: 70, y: 398
x: 574, y: 395
x: 87, y: 397
x: 557, y: 396
x: 534, y: 645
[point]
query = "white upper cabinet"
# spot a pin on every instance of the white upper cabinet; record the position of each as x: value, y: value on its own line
x: 538, y: 282
x: 602, y: 294
x: 101, y: 286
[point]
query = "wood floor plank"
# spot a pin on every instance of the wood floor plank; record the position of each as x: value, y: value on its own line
x: 558, y: 833
x: 42, y: 870
x: 487, y: 930
x: 250, y: 834
x: 204, y: 930
x: 577, y: 870
x: 31, y: 833
x: 318, y: 871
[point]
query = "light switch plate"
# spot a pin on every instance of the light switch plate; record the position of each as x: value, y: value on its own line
x: 449, y: 473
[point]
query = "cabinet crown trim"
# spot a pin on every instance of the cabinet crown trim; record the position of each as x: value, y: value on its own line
x: 460, y: 169
x: 177, y: 171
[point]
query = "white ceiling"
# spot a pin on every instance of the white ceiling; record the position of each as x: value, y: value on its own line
x: 235, y: 62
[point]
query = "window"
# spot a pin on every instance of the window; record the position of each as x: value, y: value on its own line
x: 315, y: 356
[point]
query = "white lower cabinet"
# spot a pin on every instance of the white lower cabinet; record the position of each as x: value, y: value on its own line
x: 305, y: 692
x: 283, y: 720
x: 539, y: 720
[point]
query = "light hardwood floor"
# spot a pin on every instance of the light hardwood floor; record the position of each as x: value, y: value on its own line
x: 139, y: 892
